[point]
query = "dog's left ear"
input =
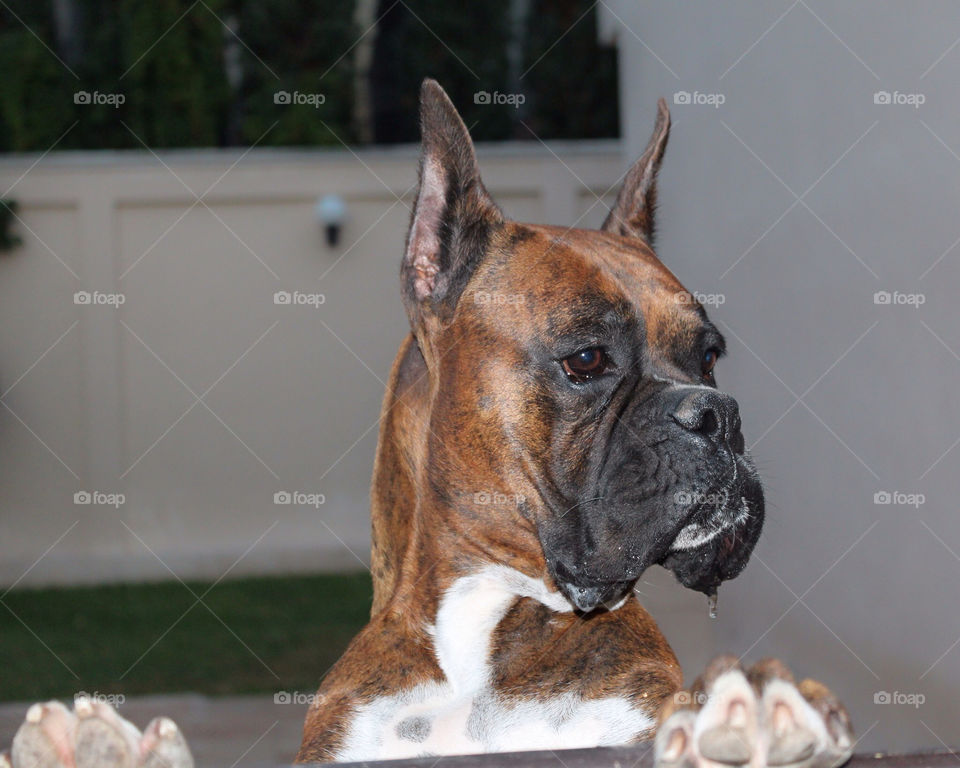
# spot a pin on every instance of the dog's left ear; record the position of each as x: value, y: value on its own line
x: 632, y: 214
x: 454, y: 215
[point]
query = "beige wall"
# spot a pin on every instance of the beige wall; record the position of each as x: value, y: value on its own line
x: 98, y: 398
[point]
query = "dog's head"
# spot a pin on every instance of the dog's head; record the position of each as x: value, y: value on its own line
x: 573, y: 399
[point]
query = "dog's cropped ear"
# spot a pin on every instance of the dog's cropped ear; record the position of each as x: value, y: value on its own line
x: 453, y: 217
x: 633, y: 213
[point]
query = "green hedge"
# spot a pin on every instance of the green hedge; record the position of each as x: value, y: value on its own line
x: 165, y: 59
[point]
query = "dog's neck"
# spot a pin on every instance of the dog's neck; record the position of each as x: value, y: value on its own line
x: 399, y: 463
x: 411, y: 531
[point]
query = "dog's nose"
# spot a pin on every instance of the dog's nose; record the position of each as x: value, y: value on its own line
x: 712, y: 414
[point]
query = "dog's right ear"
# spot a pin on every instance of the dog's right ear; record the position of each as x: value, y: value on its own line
x: 632, y: 213
x: 453, y: 217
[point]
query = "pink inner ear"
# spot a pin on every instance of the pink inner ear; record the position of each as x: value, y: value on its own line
x: 423, y: 250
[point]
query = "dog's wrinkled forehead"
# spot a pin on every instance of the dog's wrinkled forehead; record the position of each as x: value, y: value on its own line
x: 554, y: 282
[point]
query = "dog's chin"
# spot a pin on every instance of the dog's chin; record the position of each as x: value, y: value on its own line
x: 587, y: 595
x: 714, y: 549
x: 591, y: 597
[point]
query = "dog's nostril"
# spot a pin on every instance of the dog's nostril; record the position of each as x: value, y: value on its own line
x: 709, y: 425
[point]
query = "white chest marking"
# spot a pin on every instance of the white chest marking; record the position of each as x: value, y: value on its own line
x: 463, y: 714
x: 469, y: 613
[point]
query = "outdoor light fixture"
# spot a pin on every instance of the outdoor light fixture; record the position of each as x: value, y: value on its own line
x: 331, y: 210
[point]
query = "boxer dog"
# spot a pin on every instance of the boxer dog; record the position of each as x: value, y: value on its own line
x: 551, y: 429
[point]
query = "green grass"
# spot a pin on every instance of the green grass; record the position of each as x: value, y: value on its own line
x: 262, y: 634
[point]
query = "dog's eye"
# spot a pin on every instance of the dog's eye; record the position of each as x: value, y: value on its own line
x: 710, y: 358
x: 585, y: 365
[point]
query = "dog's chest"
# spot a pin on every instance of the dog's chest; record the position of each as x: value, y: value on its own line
x: 463, y: 713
